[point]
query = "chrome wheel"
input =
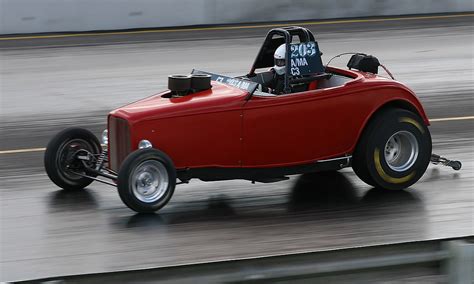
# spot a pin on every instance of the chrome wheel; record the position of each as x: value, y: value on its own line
x: 150, y: 181
x: 401, y: 151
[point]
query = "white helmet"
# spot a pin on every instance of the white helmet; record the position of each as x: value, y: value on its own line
x: 279, y: 57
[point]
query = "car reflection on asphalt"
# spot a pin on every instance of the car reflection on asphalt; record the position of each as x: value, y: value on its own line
x: 316, y: 195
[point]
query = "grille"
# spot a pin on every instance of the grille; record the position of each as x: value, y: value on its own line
x: 119, y: 141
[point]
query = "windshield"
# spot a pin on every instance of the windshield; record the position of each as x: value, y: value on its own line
x: 245, y: 85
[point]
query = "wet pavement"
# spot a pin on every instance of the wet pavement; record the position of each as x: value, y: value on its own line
x: 49, y: 232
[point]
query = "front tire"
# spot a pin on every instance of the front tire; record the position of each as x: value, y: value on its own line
x: 59, y: 161
x: 394, y: 150
x: 146, y: 180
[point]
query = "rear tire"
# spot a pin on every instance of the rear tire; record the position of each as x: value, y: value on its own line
x: 394, y: 150
x: 58, y: 158
x: 146, y: 180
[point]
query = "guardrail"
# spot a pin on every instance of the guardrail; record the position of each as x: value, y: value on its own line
x: 41, y: 16
x: 437, y: 261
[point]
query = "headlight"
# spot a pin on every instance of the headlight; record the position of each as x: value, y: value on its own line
x: 105, y: 137
x: 143, y: 144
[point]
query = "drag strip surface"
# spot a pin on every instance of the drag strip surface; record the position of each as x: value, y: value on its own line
x: 48, y: 232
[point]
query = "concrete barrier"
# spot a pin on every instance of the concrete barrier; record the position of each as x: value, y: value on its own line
x: 39, y: 16
x: 412, y: 262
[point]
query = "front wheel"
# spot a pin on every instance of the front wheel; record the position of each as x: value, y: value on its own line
x: 394, y: 150
x: 60, y: 159
x: 146, y: 180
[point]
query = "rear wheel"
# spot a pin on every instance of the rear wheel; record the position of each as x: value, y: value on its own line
x: 394, y: 150
x: 146, y: 180
x: 60, y: 160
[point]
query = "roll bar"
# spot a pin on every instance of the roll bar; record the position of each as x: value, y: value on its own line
x: 265, y: 55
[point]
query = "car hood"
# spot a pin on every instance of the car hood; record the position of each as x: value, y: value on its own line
x: 220, y: 97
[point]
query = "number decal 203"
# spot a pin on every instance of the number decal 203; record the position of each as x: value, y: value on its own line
x: 307, y: 49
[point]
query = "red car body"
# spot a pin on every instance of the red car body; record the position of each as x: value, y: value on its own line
x: 297, y: 117
x: 225, y: 127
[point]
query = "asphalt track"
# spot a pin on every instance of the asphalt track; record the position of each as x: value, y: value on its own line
x: 51, y: 83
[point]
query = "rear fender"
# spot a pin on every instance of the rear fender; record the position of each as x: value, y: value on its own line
x: 411, y: 104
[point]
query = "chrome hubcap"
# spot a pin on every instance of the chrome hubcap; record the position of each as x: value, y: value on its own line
x: 150, y: 181
x: 401, y: 151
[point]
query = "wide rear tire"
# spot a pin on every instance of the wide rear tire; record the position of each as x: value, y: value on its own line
x: 59, y: 162
x: 146, y: 180
x: 394, y: 150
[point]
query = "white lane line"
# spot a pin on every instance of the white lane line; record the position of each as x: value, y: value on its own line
x: 31, y: 150
x: 452, y: 118
x: 16, y: 151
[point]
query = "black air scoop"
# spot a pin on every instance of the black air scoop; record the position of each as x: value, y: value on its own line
x: 182, y: 85
x: 364, y: 63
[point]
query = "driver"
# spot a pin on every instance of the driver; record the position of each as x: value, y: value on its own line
x: 277, y: 83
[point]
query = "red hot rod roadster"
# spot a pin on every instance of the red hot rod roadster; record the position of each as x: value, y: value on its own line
x: 213, y: 127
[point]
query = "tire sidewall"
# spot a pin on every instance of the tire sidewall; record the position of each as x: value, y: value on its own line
x: 124, y: 180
